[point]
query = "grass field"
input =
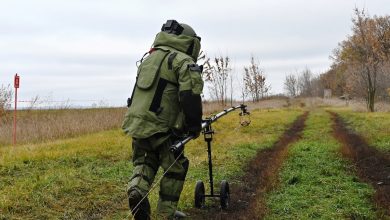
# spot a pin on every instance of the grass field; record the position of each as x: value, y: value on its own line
x: 374, y: 127
x: 85, y: 177
x: 316, y: 182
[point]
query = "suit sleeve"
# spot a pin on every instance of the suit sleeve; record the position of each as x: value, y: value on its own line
x: 190, y: 89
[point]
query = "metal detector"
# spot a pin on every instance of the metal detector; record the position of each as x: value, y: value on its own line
x: 224, y: 193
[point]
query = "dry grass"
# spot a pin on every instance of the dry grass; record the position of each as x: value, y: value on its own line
x: 213, y: 107
x: 36, y: 126
x: 354, y: 105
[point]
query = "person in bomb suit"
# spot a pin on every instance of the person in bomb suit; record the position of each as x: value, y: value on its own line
x: 165, y: 105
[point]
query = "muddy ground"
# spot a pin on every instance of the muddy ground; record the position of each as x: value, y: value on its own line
x: 370, y: 164
x: 260, y: 177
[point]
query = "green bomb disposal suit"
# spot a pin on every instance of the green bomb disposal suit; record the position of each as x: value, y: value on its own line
x: 165, y: 104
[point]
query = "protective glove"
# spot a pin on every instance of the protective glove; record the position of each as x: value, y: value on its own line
x: 194, y: 131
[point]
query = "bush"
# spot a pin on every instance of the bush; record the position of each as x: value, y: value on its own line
x: 6, y: 96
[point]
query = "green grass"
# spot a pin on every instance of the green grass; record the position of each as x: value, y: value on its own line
x: 315, y: 182
x: 74, y: 178
x: 374, y: 127
x: 86, y: 177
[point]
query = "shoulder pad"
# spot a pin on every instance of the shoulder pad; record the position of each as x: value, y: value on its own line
x: 195, y: 67
x: 181, y: 60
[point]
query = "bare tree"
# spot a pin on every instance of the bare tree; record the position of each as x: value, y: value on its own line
x: 305, y: 83
x: 317, y: 89
x: 231, y: 90
x: 384, y: 81
x: 255, y: 81
x: 243, y: 90
x: 217, y: 74
x: 6, y: 96
x: 291, y: 85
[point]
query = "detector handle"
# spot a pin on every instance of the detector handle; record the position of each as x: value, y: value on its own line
x: 179, y: 145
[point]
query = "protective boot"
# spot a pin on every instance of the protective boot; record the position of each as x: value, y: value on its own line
x: 179, y: 215
x: 142, y: 212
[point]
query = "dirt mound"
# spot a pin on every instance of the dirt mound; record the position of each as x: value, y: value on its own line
x: 371, y: 165
x: 260, y: 177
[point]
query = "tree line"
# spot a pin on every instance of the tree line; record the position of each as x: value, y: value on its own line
x: 361, y: 64
x: 303, y: 84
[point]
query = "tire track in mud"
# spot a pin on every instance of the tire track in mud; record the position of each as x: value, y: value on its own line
x: 247, y: 198
x: 371, y: 165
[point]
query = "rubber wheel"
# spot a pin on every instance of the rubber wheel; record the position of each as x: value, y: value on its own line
x: 199, y: 194
x: 225, y: 194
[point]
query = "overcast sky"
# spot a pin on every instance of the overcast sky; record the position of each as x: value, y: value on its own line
x: 86, y: 49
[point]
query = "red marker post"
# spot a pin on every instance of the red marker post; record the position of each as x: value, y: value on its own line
x: 16, y: 85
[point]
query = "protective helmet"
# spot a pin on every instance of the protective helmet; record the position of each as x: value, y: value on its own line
x: 173, y: 27
x: 187, y: 30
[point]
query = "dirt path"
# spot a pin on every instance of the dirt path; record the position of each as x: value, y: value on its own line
x: 371, y: 165
x: 247, y: 198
